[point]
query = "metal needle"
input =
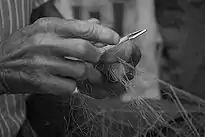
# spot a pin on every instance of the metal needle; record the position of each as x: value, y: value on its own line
x: 132, y: 35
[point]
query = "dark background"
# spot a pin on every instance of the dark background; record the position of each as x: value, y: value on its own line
x: 182, y: 26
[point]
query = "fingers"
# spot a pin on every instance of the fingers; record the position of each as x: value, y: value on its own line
x: 77, y: 28
x: 18, y: 82
x: 96, y: 21
x: 78, y: 48
x: 65, y: 68
x: 76, y: 70
x: 58, y: 85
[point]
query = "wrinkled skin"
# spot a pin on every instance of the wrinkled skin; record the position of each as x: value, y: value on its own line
x: 32, y: 60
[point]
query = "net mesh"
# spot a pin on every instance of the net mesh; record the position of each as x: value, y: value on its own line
x: 99, y: 112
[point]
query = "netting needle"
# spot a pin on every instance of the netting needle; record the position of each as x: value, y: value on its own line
x: 132, y: 35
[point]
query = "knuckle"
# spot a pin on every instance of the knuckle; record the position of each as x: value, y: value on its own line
x: 43, y: 23
x: 36, y: 60
x: 91, y: 31
x: 86, y: 29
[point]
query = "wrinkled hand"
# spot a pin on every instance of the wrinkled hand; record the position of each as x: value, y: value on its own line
x: 33, y: 59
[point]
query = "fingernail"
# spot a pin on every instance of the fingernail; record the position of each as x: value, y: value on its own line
x: 94, y: 20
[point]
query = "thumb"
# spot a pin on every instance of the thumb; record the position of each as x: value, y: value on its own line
x: 123, y: 51
x: 128, y: 52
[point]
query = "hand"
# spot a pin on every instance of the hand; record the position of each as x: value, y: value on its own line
x: 33, y: 59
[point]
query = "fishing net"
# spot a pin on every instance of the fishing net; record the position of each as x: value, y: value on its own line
x: 99, y: 111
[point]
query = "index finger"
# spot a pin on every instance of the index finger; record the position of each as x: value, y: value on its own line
x: 77, y: 28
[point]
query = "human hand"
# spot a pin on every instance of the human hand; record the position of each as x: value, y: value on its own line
x: 33, y: 59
